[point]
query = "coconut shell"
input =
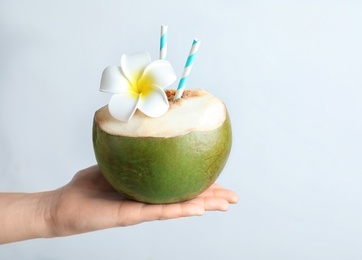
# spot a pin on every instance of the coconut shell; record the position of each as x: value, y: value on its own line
x: 159, y: 169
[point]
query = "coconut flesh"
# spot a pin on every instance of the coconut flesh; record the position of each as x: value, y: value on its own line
x: 167, y: 159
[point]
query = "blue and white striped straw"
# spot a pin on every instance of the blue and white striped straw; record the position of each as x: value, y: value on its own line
x: 163, y: 42
x: 187, y: 69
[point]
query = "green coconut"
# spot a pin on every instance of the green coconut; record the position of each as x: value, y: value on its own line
x: 168, y: 159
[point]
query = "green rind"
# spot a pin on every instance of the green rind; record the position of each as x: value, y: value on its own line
x: 162, y: 170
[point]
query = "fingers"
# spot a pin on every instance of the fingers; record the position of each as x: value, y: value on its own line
x: 171, y: 211
x: 215, y: 198
x: 211, y: 203
x: 217, y: 191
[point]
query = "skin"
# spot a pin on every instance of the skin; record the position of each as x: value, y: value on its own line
x: 88, y: 203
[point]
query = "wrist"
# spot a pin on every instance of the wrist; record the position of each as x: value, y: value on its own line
x: 23, y: 216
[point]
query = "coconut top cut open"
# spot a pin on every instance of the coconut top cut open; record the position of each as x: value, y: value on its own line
x: 197, y: 111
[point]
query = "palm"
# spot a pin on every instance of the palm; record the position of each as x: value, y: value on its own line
x: 89, y: 203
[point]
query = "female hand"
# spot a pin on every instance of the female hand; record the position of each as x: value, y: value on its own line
x: 89, y: 203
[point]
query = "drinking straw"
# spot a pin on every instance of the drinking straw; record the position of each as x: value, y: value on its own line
x: 163, y: 42
x: 187, y: 69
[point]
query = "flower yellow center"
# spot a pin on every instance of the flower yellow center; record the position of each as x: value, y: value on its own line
x: 142, y: 85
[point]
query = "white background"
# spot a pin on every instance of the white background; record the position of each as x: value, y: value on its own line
x: 289, y: 73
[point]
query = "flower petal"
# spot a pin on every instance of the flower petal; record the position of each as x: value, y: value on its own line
x: 155, y: 103
x: 122, y: 106
x: 134, y: 64
x: 158, y: 73
x: 114, y: 81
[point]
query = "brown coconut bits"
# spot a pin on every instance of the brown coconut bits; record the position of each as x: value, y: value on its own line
x: 170, y: 93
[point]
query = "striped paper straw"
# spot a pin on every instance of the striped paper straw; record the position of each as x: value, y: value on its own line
x: 163, y: 42
x: 187, y: 69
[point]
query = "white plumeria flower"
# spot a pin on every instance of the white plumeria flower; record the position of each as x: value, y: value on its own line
x: 137, y: 84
